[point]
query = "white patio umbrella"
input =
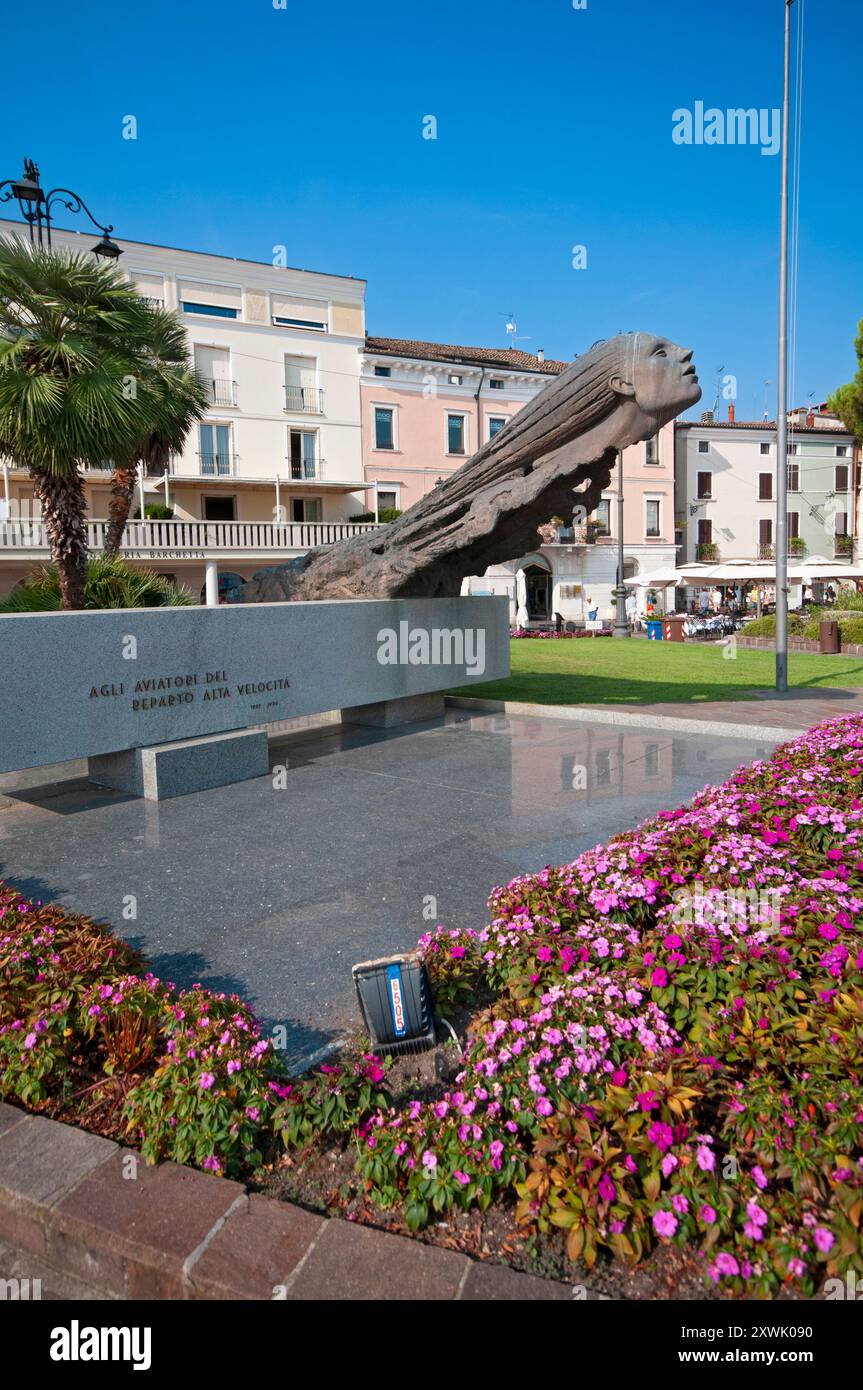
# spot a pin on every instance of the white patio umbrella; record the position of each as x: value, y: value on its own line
x: 521, y: 617
x: 819, y: 567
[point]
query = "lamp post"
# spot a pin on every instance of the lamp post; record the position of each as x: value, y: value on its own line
x: 36, y: 205
x: 782, y: 392
x: 621, y: 622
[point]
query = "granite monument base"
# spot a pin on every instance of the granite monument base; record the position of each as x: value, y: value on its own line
x: 387, y: 714
x: 189, y: 765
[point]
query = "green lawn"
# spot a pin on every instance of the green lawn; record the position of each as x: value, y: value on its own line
x: 604, y: 671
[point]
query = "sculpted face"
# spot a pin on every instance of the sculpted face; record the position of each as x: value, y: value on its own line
x: 662, y: 380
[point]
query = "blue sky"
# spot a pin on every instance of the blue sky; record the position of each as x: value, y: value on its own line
x: 302, y: 126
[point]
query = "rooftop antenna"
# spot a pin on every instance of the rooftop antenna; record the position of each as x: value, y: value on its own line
x: 512, y: 330
x: 719, y: 371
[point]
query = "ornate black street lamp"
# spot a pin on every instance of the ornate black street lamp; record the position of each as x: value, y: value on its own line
x: 36, y: 207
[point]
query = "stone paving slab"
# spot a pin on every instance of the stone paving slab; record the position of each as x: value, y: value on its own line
x: 256, y: 1251
x: 367, y: 1265
x: 80, y: 1222
x: 146, y: 1223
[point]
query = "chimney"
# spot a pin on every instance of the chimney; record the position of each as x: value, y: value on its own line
x: 810, y: 419
x: 731, y: 413
x: 540, y: 354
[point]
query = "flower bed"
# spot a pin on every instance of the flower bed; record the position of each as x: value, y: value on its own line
x: 579, y: 632
x: 670, y: 1054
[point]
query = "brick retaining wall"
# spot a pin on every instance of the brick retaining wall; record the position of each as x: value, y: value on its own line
x: 76, y: 1205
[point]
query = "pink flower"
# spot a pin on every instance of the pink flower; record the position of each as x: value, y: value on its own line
x: 824, y: 1239
x: 661, y: 1135
x: 30, y: 1040
x: 707, y: 1214
x: 664, y: 1223
x: 726, y: 1264
x: 429, y: 1160
x: 461, y: 1177
x: 659, y: 977
x: 207, y: 1079
x: 607, y: 1189
x: 705, y: 1158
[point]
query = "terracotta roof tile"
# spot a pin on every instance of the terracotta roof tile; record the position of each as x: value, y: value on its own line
x: 513, y: 358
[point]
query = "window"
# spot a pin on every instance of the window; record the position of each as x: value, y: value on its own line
x: 840, y: 524
x: 795, y: 448
x: 219, y: 311
x: 310, y: 314
x: 303, y: 453
x: 764, y: 446
x: 842, y: 451
x: 840, y: 482
x: 765, y: 532
x: 455, y: 434
x: 705, y: 531
x: 651, y: 450
x: 455, y: 380
x: 495, y: 425
x: 281, y: 322
x: 793, y: 525
x: 301, y: 392
x: 705, y: 485
x: 384, y: 428
x: 383, y: 371
x: 765, y: 487
x: 495, y: 383
x: 219, y: 509
x: 214, y: 450
x: 213, y: 366
x: 388, y: 500
x: 305, y: 509
x: 602, y: 518
x: 794, y: 477
x: 704, y: 446
x: 652, y: 518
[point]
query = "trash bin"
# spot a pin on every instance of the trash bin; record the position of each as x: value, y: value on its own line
x: 654, y: 629
x: 828, y: 635
x: 672, y: 628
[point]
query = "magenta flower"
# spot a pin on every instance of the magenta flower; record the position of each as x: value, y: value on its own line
x: 824, y: 1239
x: 664, y: 1223
x: 207, y: 1079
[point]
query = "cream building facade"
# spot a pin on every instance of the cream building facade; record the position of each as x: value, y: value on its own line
x: 276, y: 465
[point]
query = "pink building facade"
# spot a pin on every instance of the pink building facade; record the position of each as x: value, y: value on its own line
x: 426, y: 407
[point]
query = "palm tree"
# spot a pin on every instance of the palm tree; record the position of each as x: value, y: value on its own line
x: 80, y: 383
x: 178, y: 398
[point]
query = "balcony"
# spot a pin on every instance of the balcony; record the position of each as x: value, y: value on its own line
x: 217, y: 465
x: 221, y: 392
x: 189, y: 540
x: 304, y: 400
x: 307, y: 470
x: 843, y: 547
x: 707, y: 550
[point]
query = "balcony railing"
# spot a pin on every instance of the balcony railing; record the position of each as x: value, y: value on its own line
x: 306, y: 470
x: 306, y: 400
x: 217, y: 465
x: 222, y: 392
x: 189, y: 539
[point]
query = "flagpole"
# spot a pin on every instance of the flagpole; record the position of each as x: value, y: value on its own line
x: 782, y: 393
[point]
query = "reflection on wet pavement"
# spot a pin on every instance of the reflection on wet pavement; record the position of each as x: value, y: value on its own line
x: 275, y: 893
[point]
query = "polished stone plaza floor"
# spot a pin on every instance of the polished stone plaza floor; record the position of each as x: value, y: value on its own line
x: 273, y: 888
